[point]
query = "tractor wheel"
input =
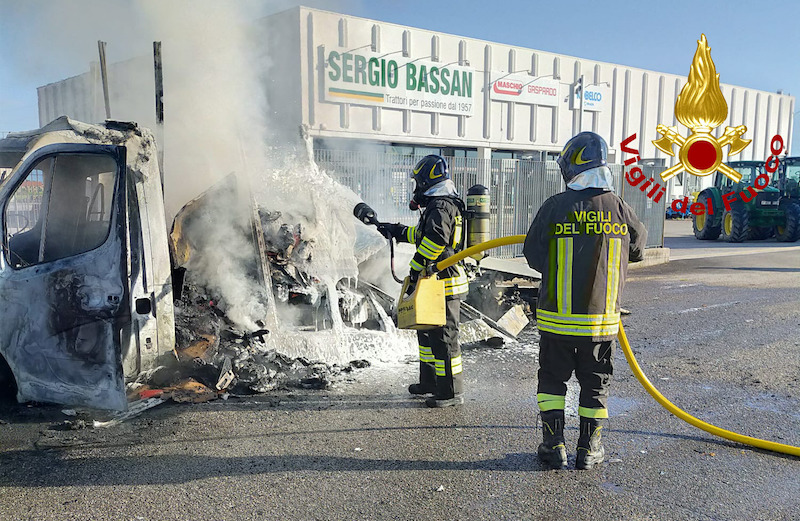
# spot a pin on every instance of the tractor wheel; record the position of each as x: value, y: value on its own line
x: 790, y: 231
x: 759, y: 233
x: 703, y: 227
x: 735, y: 224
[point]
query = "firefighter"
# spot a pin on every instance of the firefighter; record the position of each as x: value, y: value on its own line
x: 437, y: 235
x: 580, y: 241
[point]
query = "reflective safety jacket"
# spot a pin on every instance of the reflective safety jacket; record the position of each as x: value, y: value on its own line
x: 438, y: 236
x: 581, y: 241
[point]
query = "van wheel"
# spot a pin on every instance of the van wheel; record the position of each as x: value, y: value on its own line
x: 8, y: 384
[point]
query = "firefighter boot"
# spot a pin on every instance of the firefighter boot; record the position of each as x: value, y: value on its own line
x: 421, y: 389
x: 551, y: 450
x: 427, y: 378
x: 590, y: 447
x: 436, y: 402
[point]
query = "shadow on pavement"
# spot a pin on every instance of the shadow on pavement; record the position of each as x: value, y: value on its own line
x: 751, y: 268
x: 58, y: 471
x: 12, y: 412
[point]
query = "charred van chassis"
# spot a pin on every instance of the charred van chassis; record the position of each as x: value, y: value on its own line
x: 84, y: 278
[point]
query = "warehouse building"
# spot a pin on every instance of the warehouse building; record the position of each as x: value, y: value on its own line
x: 379, y: 95
x: 355, y: 79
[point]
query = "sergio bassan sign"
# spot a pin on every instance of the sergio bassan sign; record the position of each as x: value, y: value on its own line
x: 525, y: 89
x: 399, y: 83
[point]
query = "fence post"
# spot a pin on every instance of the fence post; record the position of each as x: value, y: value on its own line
x: 485, y: 166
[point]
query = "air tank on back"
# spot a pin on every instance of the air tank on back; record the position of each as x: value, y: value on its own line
x: 478, y: 223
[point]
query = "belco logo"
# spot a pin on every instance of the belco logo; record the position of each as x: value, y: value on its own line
x: 510, y: 88
x: 701, y: 107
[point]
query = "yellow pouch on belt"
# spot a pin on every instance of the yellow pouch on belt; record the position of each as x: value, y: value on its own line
x: 424, y: 308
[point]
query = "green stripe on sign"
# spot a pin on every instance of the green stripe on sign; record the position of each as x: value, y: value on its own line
x: 357, y: 93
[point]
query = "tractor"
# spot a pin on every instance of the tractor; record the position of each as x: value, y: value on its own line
x: 770, y: 212
x: 788, y: 180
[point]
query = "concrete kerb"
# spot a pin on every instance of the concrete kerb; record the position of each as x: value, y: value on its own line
x: 652, y: 256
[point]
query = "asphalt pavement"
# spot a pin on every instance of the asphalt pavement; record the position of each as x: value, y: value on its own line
x: 679, y: 238
x: 718, y: 335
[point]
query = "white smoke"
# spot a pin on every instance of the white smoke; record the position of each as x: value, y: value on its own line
x: 216, y: 122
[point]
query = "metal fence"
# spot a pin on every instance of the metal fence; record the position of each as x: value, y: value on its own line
x: 518, y: 188
x: 649, y: 212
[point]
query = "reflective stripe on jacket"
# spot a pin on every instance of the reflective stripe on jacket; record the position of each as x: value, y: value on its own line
x: 438, y: 236
x: 581, y: 241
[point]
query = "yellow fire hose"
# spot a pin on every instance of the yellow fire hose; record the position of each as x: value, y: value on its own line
x: 626, y: 348
x: 472, y: 250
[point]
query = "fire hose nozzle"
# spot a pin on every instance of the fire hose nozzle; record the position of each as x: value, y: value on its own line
x: 365, y: 214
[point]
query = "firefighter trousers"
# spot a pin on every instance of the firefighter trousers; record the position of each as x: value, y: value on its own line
x: 440, y: 354
x: 559, y: 356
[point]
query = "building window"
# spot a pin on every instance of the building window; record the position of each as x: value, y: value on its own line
x: 402, y: 150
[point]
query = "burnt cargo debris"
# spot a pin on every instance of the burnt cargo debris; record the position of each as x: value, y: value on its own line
x: 211, y: 349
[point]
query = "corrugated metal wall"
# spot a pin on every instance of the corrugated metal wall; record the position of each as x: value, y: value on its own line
x: 518, y: 189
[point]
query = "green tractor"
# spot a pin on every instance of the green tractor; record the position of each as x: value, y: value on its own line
x: 770, y: 212
x: 787, y: 181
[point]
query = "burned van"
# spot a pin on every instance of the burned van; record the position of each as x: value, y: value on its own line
x: 84, y: 271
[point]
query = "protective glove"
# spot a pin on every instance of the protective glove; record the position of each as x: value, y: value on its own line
x: 390, y: 230
x: 413, y: 276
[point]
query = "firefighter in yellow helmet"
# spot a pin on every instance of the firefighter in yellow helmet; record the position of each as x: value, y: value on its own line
x: 580, y: 241
x: 437, y: 235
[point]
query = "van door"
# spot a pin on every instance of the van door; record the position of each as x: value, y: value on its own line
x: 64, y: 295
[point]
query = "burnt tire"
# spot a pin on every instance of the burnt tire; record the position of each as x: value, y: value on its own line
x: 790, y: 231
x: 704, y: 228
x: 759, y: 233
x: 736, y: 224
